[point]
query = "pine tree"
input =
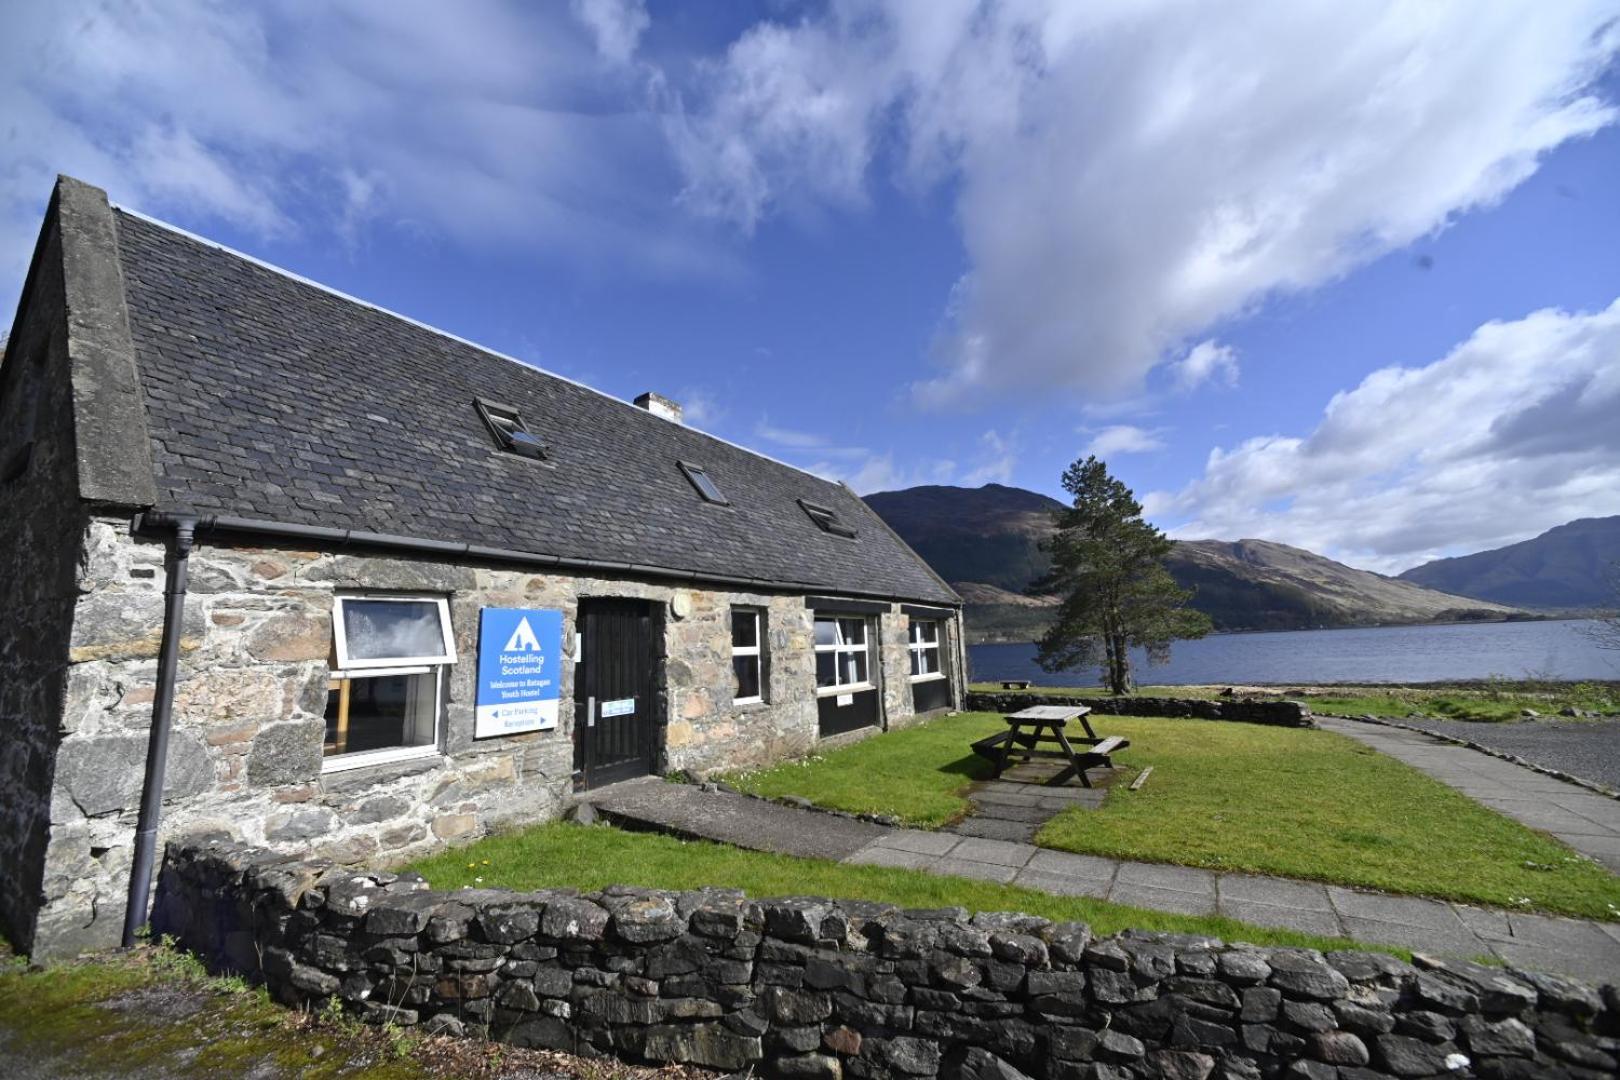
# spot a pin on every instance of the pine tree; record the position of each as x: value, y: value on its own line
x: 1108, y: 565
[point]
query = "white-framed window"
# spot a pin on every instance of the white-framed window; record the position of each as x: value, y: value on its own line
x: 747, y: 655
x: 387, y: 682
x: 924, y: 646
x: 843, y: 660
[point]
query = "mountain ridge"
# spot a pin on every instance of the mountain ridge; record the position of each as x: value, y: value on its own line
x: 985, y: 542
x: 1568, y: 566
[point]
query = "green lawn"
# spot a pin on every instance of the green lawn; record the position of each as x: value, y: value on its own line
x: 1487, y: 700
x: 1295, y: 802
x: 561, y: 855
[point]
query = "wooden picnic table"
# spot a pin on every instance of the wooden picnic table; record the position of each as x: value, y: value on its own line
x: 1030, y: 731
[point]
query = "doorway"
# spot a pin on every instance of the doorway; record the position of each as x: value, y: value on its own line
x: 615, y: 702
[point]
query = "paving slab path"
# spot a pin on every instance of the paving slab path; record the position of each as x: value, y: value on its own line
x: 1577, y: 947
x: 1587, y: 821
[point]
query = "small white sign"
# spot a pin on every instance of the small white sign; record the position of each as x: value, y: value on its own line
x: 622, y: 707
x: 845, y: 699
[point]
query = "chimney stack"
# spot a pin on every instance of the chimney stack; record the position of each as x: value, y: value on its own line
x: 659, y: 405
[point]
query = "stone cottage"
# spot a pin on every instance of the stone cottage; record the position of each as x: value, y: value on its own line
x: 283, y: 566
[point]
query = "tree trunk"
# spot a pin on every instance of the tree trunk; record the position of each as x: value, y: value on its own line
x: 1119, y: 665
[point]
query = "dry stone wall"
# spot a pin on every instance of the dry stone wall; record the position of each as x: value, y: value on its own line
x: 815, y: 988
x: 1247, y: 710
x: 245, y: 759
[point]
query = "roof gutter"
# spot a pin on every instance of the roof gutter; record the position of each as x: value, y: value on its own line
x: 155, y: 520
x: 176, y: 581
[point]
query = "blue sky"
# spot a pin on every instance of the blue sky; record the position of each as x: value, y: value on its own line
x: 1343, y: 276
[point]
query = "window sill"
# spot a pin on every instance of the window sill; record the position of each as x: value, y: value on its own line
x: 348, y: 762
x: 853, y: 688
x: 747, y: 702
x: 934, y: 677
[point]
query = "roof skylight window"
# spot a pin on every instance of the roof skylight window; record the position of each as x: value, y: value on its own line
x: 510, y: 433
x: 705, y: 485
x: 827, y: 519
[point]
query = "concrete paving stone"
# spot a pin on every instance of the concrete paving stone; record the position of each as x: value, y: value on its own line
x: 955, y: 867
x: 1062, y: 884
x: 1594, y: 843
x: 1304, y: 920
x: 1595, y: 967
x: 1033, y: 815
x: 929, y: 843
x: 1148, y: 896
x: 873, y: 855
x: 1068, y: 864
x: 1018, y: 832
x: 1185, y: 879
x: 1006, y: 798
x: 996, y: 852
x: 1611, y: 929
x: 1459, y: 942
x: 1550, y: 932
x: 1252, y: 888
x: 1488, y: 923
x: 1602, y: 815
x: 1409, y: 910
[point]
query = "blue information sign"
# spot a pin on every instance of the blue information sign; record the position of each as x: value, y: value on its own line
x: 519, y: 670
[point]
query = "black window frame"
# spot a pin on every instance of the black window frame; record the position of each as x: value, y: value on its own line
x: 505, y: 424
x: 827, y: 519
x: 697, y: 476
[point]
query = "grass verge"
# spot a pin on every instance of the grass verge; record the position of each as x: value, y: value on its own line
x: 1292, y: 802
x: 561, y: 855
x: 154, y: 1014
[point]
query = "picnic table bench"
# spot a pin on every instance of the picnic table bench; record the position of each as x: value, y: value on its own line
x: 1030, y: 731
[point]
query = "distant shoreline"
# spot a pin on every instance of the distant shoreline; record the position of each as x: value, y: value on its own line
x: 1527, y: 617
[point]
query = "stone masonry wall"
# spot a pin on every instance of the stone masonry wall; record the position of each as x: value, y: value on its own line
x: 41, y: 531
x: 245, y: 757
x: 814, y: 988
x: 1247, y: 710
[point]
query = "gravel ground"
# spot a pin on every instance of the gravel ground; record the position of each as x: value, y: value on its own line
x: 1589, y: 749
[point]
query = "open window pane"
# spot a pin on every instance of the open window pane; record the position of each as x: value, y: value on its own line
x: 376, y: 631
x: 745, y: 629
x: 826, y: 669
x: 382, y: 712
x: 852, y: 631
x: 746, y: 669
x: 852, y: 668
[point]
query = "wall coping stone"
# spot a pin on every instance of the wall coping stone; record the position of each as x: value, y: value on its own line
x: 1241, y: 709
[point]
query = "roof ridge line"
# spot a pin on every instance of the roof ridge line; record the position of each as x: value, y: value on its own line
x: 440, y: 331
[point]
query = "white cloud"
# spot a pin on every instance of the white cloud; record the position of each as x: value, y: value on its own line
x: 1207, y: 361
x: 1123, y: 439
x: 1511, y: 433
x: 867, y: 470
x: 1129, y: 175
x: 617, y: 25
x: 700, y: 408
x: 996, y: 462
x: 491, y: 125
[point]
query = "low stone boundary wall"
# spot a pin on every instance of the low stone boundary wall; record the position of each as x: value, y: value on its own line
x: 814, y: 988
x: 1247, y: 710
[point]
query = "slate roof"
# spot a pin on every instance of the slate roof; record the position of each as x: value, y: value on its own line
x: 270, y: 398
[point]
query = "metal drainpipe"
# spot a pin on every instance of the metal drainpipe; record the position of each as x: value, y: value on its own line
x: 157, y: 747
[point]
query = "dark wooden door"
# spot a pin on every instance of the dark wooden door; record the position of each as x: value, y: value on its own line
x: 615, y: 712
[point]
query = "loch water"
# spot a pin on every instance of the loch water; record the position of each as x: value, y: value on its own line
x: 1386, y: 654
